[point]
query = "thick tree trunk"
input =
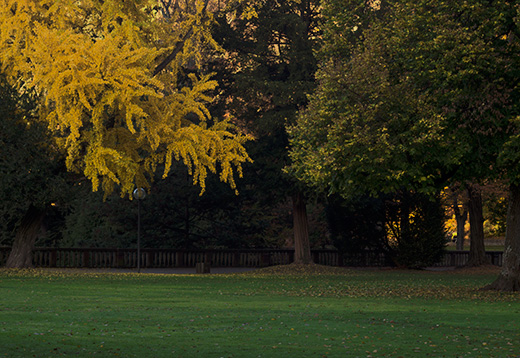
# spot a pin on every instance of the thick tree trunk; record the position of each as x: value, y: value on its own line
x: 302, y: 247
x: 509, y: 278
x: 21, y: 252
x: 477, y: 250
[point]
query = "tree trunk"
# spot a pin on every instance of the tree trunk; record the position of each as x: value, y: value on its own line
x: 509, y: 278
x: 21, y: 252
x: 460, y: 218
x: 477, y: 250
x: 302, y: 247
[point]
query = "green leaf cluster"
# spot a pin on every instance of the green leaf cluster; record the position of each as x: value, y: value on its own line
x: 411, y: 94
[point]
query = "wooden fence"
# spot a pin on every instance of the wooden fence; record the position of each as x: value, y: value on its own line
x: 171, y: 258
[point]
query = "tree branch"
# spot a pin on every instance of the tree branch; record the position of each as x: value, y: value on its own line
x: 178, y: 46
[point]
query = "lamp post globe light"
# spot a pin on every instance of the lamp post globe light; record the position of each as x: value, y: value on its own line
x: 139, y: 194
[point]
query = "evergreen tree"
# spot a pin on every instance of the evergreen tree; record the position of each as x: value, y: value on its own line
x: 173, y: 215
x: 32, y: 173
x: 270, y: 71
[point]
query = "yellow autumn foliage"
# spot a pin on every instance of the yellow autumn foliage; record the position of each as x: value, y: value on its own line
x: 93, y: 64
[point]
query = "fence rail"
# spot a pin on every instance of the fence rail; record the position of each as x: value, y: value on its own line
x: 171, y: 258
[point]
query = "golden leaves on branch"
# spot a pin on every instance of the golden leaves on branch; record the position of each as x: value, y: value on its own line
x: 93, y: 63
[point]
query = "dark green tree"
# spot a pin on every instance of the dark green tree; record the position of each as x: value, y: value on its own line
x: 369, y: 128
x: 357, y: 224
x: 415, y: 224
x: 270, y: 71
x: 426, y: 94
x: 173, y: 215
x: 32, y: 173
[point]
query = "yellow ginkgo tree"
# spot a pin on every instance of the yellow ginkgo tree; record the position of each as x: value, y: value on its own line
x: 114, y: 89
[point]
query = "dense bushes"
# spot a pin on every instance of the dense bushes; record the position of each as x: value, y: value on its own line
x: 407, y: 226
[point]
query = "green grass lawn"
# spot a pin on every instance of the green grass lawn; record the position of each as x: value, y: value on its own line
x: 347, y: 313
x: 489, y: 247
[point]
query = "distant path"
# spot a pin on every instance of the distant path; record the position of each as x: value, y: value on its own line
x: 179, y: 271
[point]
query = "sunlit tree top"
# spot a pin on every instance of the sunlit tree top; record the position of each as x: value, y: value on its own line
x: 114, y: 86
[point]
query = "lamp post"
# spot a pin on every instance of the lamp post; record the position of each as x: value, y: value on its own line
x: 139, y: 194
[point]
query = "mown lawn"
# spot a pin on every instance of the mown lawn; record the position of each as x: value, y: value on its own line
x: 490, y: 247
x: 278, y: 312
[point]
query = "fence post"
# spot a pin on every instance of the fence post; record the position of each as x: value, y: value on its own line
x: 207, y: 257
x: 86, y: 258
x: 149, y: 259
x: 236, y: 258
x: 451, y: 259
x: 180, y: 259
x: 120, y: 259
x: 201, y: 267
x: 316, y: 258
x: 205, y: 265
x: 341, y: 260
x: 54, y: 258
x: 265, y: 259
